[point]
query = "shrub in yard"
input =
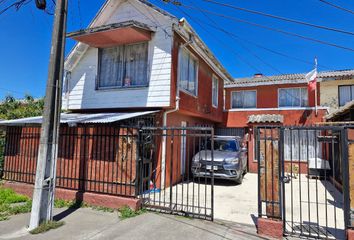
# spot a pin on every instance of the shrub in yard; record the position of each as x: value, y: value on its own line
x: 46, y: 226
x: 127, y: 212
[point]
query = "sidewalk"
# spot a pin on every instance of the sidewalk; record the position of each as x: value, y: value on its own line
x: 85, y: 223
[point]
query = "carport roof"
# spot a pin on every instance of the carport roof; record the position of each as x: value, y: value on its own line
x: 73, y: 119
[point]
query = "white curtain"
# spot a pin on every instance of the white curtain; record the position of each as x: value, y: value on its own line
x: 136, y: 65
x: 344, y: 95
x: 188, y: 67
x: 215, y: 91
x: 301, y: 144
x: 244, y: 99
x: 123, y: 66
x: 111, y: 66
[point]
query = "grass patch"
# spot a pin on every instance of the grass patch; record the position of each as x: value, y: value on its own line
x: 127, y: 212
x: 12, y: 203
x: 103, y: 209
x: 45, y: 227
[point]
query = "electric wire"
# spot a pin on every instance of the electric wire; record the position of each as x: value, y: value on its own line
x: 337, y: 6
x: 271, y: 28
x: 279, y: 17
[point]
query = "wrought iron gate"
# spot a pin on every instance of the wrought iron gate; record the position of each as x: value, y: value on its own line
x: 302, y: 178
x: 177, y: 167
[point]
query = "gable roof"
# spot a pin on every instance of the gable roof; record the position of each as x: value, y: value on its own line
x: 288, y: 78
x: 79, y: 49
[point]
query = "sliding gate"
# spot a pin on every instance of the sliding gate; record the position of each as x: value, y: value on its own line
x: 302, y: 178
x: 177, y: 167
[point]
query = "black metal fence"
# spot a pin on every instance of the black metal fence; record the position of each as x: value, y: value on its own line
x: 177, y: 166
x: 303, y: 179
x: 99, y: 159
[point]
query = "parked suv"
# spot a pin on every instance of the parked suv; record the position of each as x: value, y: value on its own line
x: 230, y: 160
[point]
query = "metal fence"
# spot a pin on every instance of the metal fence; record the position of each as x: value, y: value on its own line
x: 177, y: 166
x: 303, y: 177
x: 99, y: 159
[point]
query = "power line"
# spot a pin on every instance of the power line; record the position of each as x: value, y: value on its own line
x: 337, y: 6
x: 237, y: 37
x: 272, y: 29
x: 238, y: 40
x: 223, y: 44
x: 279, y: 17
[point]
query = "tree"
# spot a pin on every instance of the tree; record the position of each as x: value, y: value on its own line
x: 12, y: 108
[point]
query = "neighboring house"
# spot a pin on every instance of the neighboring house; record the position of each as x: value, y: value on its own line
x: 275, y: 100
x: 337, y: 88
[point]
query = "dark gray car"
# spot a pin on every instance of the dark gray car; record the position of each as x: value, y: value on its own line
x: 230, y: 160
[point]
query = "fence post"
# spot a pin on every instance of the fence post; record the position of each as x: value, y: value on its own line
x: 139, y: 156
x: 269, y: 154
x: 348, y: 181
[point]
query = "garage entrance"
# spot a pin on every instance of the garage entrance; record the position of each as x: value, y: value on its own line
x: 303, y: 179
x: 168, y: 159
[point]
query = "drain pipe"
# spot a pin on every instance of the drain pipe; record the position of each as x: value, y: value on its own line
x: 164, y: 132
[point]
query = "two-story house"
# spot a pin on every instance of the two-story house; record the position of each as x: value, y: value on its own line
x: 137, y: 57
x: 271, y: 100
x: 135, y: 64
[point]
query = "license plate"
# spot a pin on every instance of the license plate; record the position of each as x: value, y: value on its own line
x: 208, y: 167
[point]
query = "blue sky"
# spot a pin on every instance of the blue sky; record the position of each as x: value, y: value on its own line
x: 26, y: 37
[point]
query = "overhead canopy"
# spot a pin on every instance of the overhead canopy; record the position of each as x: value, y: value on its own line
x: 266, y: 118
x: 342, y: 112
x: 73, y: 119
x: 113, y: 34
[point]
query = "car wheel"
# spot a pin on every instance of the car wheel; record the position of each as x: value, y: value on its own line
x: 245, y: 171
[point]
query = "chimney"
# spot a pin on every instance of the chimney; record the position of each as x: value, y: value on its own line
x: 258, y: 75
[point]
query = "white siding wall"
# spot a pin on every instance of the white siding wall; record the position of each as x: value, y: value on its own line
x: 82, y: 93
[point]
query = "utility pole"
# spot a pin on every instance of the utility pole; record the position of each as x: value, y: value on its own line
x: 44, y: 189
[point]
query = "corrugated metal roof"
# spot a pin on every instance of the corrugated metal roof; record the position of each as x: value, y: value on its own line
x: 266, y: 118
x: 287, y: 78
x: 340, y: 111
x: 78, y: 118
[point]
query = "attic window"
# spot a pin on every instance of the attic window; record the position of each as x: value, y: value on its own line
x: 123, y: 66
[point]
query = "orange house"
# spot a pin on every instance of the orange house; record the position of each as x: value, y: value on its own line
x: 275, y: 100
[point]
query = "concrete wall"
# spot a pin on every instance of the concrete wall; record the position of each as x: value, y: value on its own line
x: 329, y: 93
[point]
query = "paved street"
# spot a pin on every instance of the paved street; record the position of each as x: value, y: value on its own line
x: 86, y: 223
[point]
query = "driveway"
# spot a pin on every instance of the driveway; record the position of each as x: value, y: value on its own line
x: 86, y: 223
x: 237, y: 203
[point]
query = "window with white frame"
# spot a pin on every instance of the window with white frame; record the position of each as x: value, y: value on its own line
x: 301, y: 145
x: 293, y: 97
x: 215, y: 91
x: 346, y: 94
x: 123, y: 66
x: 188, y: 68
x: 244, y: 99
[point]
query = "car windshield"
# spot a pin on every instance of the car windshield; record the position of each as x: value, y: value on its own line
x: 226, y: 145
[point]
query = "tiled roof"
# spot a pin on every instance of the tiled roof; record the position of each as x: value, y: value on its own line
x: 287, y: 78
x: 266, y: 118
x: 341, y: 110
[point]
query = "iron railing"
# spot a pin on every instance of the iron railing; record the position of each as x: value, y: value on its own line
x: 311, y: 184
x: 100, y: 158
x: 174, y: 179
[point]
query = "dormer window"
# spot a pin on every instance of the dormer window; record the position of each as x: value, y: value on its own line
x: 123, y: 66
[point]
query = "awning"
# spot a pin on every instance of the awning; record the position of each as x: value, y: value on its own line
x: 73, y: 119
x: 266, y: 118
x: 113, y: 34
x: 341, y: 111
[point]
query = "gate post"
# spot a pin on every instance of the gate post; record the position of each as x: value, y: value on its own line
x: 270, y: 171
x: 348, y: 182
